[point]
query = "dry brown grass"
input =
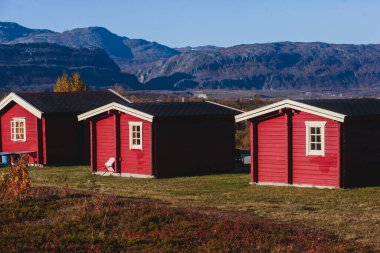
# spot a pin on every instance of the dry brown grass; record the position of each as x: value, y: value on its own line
x: 353, y: 214
x: 61, y: 220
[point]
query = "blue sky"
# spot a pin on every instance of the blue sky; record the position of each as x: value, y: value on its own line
x: 180, y: 23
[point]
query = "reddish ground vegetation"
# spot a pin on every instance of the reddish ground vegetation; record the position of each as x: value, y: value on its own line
x: 67, y: 221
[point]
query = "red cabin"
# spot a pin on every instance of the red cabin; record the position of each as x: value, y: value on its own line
x: 326, y: 143
x: 162, y: 139
x: 45, y: 125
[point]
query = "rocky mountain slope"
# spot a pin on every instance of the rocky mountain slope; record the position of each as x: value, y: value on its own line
x: 37, y: 66
x: 10, y: 31
x: 127, y: 53
x: 283, y: 65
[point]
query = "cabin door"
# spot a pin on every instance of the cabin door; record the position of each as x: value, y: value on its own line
x: 272, y: 151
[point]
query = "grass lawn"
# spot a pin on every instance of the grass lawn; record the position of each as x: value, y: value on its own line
x: 352, y: 214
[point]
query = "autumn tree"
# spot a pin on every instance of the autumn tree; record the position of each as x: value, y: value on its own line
x: 77, y: 84
x: 62, y: 84
x: 73, y: 84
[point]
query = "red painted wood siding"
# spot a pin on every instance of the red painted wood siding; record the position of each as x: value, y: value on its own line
x: 135, y: 161
x: 272, y: 150
x: 315, y: 170
x: 31, y: 143
x: 44, y: 140
x: 105, y: 141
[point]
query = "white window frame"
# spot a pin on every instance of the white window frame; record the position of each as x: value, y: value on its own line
x: 131, y: 125
x: 309, y: 125
x: 13, y: 129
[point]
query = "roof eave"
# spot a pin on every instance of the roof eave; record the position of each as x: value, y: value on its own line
x: 22, y: 102
x: 118, y: 107
x: 293, y: 105
x: 117, y: 94
x: 231, y: 108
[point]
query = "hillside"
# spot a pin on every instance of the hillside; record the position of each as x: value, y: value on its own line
x: 268, y: 66
x: 284, y: 65
x: 124, y: 51
x: 37, y: 66
x: 10, y: 31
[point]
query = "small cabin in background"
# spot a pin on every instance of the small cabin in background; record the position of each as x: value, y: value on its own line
x: 45, y: 125
x: 162, y: 139
x: 327, y: 143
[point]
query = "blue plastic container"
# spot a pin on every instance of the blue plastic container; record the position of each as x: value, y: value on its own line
x: 4, y: 160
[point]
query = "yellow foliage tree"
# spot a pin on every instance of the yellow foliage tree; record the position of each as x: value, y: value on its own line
x: 77, y: 84
x: 62, y: 84
x: 73, y: 84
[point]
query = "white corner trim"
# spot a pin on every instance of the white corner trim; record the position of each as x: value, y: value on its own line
x: 22, y: 102
x: 117, y: 94
x: 131, y: 124
x: 314, y: 186
x: 118, y: 107
x: 106, y: 174
x: 287, y: 103
x: 224, y: 106
x: 136, y: 175
x: 272, y: 184
x: 294, y: 185
x: 308, y: 125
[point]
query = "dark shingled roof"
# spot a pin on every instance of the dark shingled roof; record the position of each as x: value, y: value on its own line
x: 349, y: 107
x: 183, y: 109
x: 74, y: 102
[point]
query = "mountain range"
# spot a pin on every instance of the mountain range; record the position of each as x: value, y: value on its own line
x: 34, y: 58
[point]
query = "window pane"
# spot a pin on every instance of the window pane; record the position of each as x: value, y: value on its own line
x: 319, y: 147
x: 318, y: 138
x: 312, y: 130
x: 312, y: 146
x: 318, y: 130
x: 313, y: 138
x: 135, y: 132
